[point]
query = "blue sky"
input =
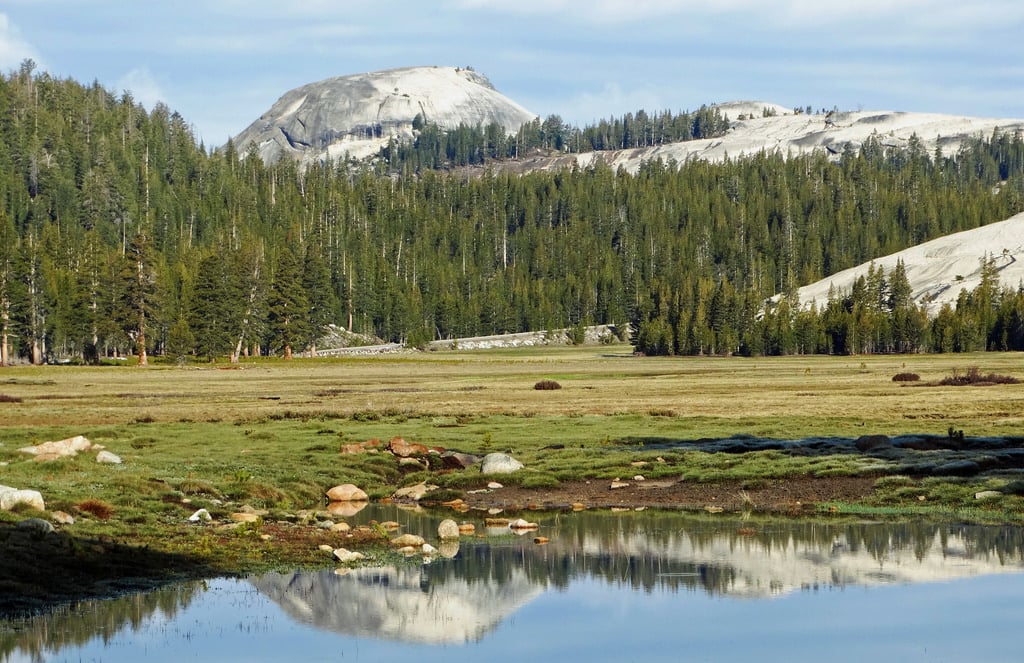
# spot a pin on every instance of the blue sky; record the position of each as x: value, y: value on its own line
x: 221, y: 63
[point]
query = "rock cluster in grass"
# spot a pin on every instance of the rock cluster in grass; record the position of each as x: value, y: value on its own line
x: 68, y: 448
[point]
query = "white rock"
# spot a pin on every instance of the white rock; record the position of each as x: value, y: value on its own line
x: 494, y: 485
x: 12, y: 496
x: 201, y: 514
x: 108, y: 457
x: 428, y: 549
x: 347, y: 556
x: 62, y: 518
x: 498, y: 463
x: 67, y: 447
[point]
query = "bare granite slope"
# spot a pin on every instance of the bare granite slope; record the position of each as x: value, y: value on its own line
x: 354, y: 116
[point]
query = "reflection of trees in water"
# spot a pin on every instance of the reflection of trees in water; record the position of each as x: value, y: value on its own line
x: 646, y: 551
x: 78, y: 623
x: 604, y: 546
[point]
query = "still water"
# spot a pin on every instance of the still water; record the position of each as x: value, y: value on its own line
x: 650, y: 586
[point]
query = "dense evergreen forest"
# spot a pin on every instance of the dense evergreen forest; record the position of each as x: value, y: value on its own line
x: 121, y: 234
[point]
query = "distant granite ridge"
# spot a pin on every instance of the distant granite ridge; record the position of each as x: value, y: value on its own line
x: 354, y: 116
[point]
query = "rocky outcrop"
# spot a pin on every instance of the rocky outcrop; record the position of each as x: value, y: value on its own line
x: 355, y: 116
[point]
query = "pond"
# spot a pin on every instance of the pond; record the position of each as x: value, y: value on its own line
x: 609, y: 586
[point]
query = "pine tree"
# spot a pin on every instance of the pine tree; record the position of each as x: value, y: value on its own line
x: 287, y: 306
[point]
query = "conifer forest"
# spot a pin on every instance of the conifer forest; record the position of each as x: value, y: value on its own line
x: 121, y: 234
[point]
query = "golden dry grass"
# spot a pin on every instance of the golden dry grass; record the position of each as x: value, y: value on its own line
x: 788, y: 396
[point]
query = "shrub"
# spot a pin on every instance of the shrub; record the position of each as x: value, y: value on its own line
x: 97, y: 508
x: 974, y: 376
x: 547, y: 385
x: 906, y: 377
x: 7, y: 398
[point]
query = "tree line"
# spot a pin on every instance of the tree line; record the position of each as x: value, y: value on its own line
x: 436, y: 148
x: 121, y: 234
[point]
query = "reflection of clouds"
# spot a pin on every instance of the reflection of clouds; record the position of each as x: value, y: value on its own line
x: 399, y: 603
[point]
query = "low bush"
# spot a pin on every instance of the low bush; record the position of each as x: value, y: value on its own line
x: 7, y: 398
x: 906, y: 377
x: 974, y: 376
x: 547, y: 385
x: 97, y: 508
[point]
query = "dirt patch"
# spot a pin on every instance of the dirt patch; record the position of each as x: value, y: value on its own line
x: 792, y: 495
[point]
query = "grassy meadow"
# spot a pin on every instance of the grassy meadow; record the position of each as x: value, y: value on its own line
x: 266, y: 434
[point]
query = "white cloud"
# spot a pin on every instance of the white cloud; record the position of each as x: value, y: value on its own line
x: 13, y: 49
x: 143, y: 86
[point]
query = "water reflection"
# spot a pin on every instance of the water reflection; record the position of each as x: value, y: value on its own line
x: 476, y: 596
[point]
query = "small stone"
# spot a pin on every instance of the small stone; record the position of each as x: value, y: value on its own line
x: 11, y: 496
x: 323, y: 547
x: 37, y: 525
x: 107, y: 457
x: 408, y: 540
x: 347, y: 492
x: 428, y: 549
x: 409, y: 551
x: 348, y: 556
x: 497, y: 463
x: 340, y: 527
x: 403, y: 449
x: 494, y: 485
x: 415, y: 492
x: 201, y: 514
x: 448, y: 530
x: 615, y: 485
x: 987, y: 494
x: 519, y: 523
x: 639, y: 477
x: 413, y: 463
x: 244, y: 517
x: 62, y: 518
x: 325, y: 524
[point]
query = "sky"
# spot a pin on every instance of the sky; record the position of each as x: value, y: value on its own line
x: 222, y: 63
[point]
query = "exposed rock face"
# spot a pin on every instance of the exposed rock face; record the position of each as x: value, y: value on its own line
x: 356, y: 115
x: 496, y: 463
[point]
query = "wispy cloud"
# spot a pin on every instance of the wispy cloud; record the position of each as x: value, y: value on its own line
x: 143, y: 85
x: 13, y: 48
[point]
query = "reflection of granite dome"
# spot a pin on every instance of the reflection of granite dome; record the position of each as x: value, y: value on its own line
x: 400, y: 603
x: 357, y: 115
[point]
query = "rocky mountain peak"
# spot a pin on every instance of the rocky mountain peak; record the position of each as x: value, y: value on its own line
x: 354, y: 116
